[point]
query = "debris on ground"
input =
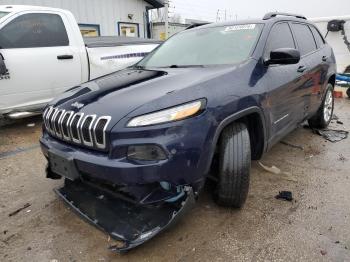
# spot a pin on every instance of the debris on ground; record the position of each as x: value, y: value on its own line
x: 276, y: 171
x: 340, y: 122
x: 323, y: 252
x: 19, y: 210
x: 292, y: 145
x: 342, y: 158
x: 285, y: 195
x: 331, y: 134
x: 337, y: 242
x: 31, y: 125
x: 273, y: 169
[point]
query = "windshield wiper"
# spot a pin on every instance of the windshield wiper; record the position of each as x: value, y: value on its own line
x: 183, y: 66
x: 138, y: 67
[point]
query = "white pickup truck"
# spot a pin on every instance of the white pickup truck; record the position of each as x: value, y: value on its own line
x: 42, y: 53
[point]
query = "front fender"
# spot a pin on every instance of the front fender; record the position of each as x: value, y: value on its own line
x: 232, y: 118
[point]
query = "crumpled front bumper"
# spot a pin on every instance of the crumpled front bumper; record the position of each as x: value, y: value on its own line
x: 128, y: 223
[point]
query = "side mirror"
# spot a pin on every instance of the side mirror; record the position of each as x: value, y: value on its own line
x: 284, y: 56
x: 3, y: 69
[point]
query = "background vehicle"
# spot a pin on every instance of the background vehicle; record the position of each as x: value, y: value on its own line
x: 204, y: 104
x: 42, y: 53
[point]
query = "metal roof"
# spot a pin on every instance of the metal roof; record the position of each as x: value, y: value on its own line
x: 156, y: 3
x: 108, y: 41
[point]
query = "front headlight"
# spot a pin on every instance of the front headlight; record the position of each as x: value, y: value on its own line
x: 167, y: 115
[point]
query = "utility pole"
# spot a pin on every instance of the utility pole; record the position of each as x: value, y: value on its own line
x: 217, y: 15
x: 166, y: 22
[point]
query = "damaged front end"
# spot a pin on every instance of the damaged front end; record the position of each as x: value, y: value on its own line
x: 130, y: 224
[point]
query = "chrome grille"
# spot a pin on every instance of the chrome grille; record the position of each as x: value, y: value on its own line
x: 88, y: 130
x: 99, y: 131
x: 74, y: 127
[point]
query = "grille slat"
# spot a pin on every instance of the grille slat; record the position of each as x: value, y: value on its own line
x: 57, y: 123
x: 86, y: 129
x: 74, y: 127
x: 100, y: 131
x: 77, y: 128
x: 65, y: 125
x: 52, y: 120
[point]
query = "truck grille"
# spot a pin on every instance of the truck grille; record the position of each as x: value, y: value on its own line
x: 88, y: 130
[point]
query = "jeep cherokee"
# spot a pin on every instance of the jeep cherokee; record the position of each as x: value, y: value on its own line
x: 136, y: 146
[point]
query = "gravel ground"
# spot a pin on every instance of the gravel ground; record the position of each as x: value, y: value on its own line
x: 314, y: 227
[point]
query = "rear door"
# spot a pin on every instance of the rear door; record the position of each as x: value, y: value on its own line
x: 284, y: 84
x: 321, y: 60
x: 312, y: 61
x: 39, y: 59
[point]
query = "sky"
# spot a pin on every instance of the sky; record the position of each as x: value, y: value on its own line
x: 207, y: 9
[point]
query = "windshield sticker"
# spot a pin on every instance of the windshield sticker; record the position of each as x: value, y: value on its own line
x: 240, y: 27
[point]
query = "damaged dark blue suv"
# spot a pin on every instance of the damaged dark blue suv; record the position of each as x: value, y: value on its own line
x: 135, y: 147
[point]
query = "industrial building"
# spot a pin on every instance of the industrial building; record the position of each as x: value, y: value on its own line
x: 158, y: 27
x: 104, y: 17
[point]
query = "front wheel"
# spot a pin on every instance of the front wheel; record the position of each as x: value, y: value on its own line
x: 234, y: 166
x: 324, y: 114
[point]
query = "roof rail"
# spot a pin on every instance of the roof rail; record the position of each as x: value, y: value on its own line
x: 274, y: 14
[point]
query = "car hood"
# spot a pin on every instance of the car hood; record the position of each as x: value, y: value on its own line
x: 120, y: 93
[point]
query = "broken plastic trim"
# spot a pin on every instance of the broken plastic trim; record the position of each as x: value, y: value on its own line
x: 129, y: 224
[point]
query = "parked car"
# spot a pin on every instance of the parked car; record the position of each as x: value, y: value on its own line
x: 136, y: 147
x: 42, y: 54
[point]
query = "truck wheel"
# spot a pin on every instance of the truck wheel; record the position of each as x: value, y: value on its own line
x: 348, y: 92
x: 234, y: 166
x: 324, y: 114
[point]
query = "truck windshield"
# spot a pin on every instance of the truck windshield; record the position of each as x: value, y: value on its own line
x: 2, y: 14
x: 206, y: 46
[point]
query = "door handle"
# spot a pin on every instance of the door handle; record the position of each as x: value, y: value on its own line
x: 301, y: 69
x: 65, y: 57
x: 324, y: 58
x: 3, y: 69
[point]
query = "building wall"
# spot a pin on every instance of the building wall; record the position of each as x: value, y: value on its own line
x: 158, y: 29
x: 106, y: 13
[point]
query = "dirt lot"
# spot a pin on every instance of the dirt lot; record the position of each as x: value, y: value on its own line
x: 316, y: 226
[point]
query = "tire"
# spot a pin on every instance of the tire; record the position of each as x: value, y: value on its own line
x: 348, y: 92
x: 324, y: 114
x: 234, y: 166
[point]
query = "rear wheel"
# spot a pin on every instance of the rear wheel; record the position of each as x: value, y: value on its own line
x: 234, y: 166
x: 348, y: 92
x: 324, y: 114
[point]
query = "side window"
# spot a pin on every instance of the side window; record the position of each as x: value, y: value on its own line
x: 34, y: 30
x: 305, y: 39
x: 280, y: 37
x: 319, y: 39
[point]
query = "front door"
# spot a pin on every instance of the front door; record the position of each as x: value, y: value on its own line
x: 284, y: 84
x: 39, y: 59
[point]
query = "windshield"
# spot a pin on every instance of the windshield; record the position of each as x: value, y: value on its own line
x: 206, y: 46
x: 2, y: 14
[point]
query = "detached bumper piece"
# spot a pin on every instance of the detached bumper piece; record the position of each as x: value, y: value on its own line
x: 129, y: 224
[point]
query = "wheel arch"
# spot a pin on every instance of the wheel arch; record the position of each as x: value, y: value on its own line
x: 331, y: 79
x: 254, y: 119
